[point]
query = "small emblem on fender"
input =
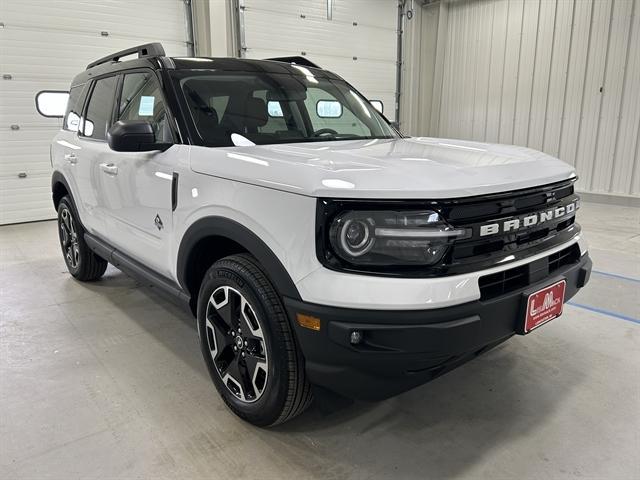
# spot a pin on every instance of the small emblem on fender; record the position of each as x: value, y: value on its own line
x: 158, y: 222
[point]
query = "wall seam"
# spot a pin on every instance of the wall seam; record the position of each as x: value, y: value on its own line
x: 602, y: 94
x: 504, y: 61
x: 634, y: 167
x: 624, y: 85
x: 533, y: 74
x: 475, y: 75
x: 546, y: 105
x: 486, y: 108
x: 445, y: 67
x: 584, y: 81
x: 566, y: 78
x: 515, y: 103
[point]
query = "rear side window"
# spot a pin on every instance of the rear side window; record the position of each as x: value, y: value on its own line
x: 142, y: 99
x: 72, y: 115
x: 98, y: 117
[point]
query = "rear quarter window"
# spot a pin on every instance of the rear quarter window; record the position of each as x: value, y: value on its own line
x: 100, y: 109
x: 71, y: 120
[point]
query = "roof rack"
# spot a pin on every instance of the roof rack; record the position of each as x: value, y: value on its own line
x: 146, y: 50
x: 297, y: 60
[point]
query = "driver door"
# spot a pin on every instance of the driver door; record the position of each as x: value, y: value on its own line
x: 137, y: 186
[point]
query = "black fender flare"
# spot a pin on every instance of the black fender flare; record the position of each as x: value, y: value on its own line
x: 58, y: 177
x: 232, y: 230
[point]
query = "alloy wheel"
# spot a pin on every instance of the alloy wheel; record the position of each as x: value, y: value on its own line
x: 236, y: 343
x: 69, y: 238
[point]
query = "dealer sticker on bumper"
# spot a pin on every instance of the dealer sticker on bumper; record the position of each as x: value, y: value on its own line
x: 544, y: 305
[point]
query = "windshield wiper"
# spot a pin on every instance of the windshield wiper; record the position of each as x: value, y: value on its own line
x: 343, y: 136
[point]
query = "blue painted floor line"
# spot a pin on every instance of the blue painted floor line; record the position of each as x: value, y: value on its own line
x: 605, y: 312
x: 615, y: 275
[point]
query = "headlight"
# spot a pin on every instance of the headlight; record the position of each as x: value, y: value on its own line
x: 399, y: 238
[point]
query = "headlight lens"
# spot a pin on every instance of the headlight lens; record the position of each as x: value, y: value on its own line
x: 391, y: 237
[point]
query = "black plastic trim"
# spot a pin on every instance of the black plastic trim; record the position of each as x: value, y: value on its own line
x: 144, y: 51
x: 58, y: 177
x: 134, y: 268
x: 401, y: 349
x: 224, y: 227
x: 174, y: 191
x: 305, y: 62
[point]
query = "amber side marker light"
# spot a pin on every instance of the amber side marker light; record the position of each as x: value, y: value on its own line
x: 307, y: 321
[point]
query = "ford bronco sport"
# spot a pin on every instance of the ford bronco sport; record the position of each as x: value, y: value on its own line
x: 314, y: 243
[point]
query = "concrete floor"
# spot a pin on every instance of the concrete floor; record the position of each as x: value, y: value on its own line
x: 105, y: 380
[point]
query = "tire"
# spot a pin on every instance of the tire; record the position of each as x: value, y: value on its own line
x: 81, y: 262
x: 248, y: 345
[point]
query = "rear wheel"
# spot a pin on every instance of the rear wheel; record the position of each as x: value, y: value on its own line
x: 81, y: 262
x: 247, y: 343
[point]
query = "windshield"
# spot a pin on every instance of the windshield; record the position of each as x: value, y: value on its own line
x: 270, y: 108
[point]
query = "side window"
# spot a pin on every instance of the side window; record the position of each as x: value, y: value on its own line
x: 72, y: 115
x: 98, y: 117
x: 142, y: 99
x: 345, y: 122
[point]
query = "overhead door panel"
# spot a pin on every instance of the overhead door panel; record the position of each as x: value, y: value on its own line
x: 43, y: 45
x: 358, y: 41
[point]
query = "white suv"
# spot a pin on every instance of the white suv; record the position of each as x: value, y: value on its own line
x: 315, y: 244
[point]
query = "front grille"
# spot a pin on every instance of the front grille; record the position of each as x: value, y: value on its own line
x: 478, y: 251
x: 517, y: 278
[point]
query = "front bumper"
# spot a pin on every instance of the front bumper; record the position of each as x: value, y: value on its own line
x: 403, y: 349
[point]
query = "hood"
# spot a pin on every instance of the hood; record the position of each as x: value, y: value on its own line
x: 404, y: 168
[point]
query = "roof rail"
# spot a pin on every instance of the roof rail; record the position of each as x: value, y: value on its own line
x: 146, y: 50
x: 297, y: 60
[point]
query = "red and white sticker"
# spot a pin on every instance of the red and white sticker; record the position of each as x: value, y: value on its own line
x: 544, y: 305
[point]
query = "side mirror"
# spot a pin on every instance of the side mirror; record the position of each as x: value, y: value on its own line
x: 133, y: 136
x: 52, y: 103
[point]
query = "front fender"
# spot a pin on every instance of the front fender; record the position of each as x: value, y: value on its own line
x: 227, y: 228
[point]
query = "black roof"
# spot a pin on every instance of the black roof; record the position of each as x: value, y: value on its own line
x: 249, y: 65
x: 151, y: 56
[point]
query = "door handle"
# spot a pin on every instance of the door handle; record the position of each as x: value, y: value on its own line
x: 71, y: 158
x: 109, y: 168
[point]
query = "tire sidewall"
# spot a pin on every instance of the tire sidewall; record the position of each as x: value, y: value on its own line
x: 266, y: 409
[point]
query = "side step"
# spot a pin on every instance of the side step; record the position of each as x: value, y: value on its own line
x: 135, y: 269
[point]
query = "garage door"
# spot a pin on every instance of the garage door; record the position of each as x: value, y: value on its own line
x: 43, y: 45
x: 356, y: 39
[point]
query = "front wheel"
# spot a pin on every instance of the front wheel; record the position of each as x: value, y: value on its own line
x: 248, y: 345
x: 81, y: 262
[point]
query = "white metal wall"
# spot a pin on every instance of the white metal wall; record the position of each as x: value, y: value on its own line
x: 43, y: 45
x: 562, y: 76
x: 359, y: 42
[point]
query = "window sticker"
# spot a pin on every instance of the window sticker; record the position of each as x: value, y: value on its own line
x: 329, y: 109
x: 274, y: 109
x: 146, y: 106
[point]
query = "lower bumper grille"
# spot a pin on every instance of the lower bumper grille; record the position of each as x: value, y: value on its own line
x: 516, y: 278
